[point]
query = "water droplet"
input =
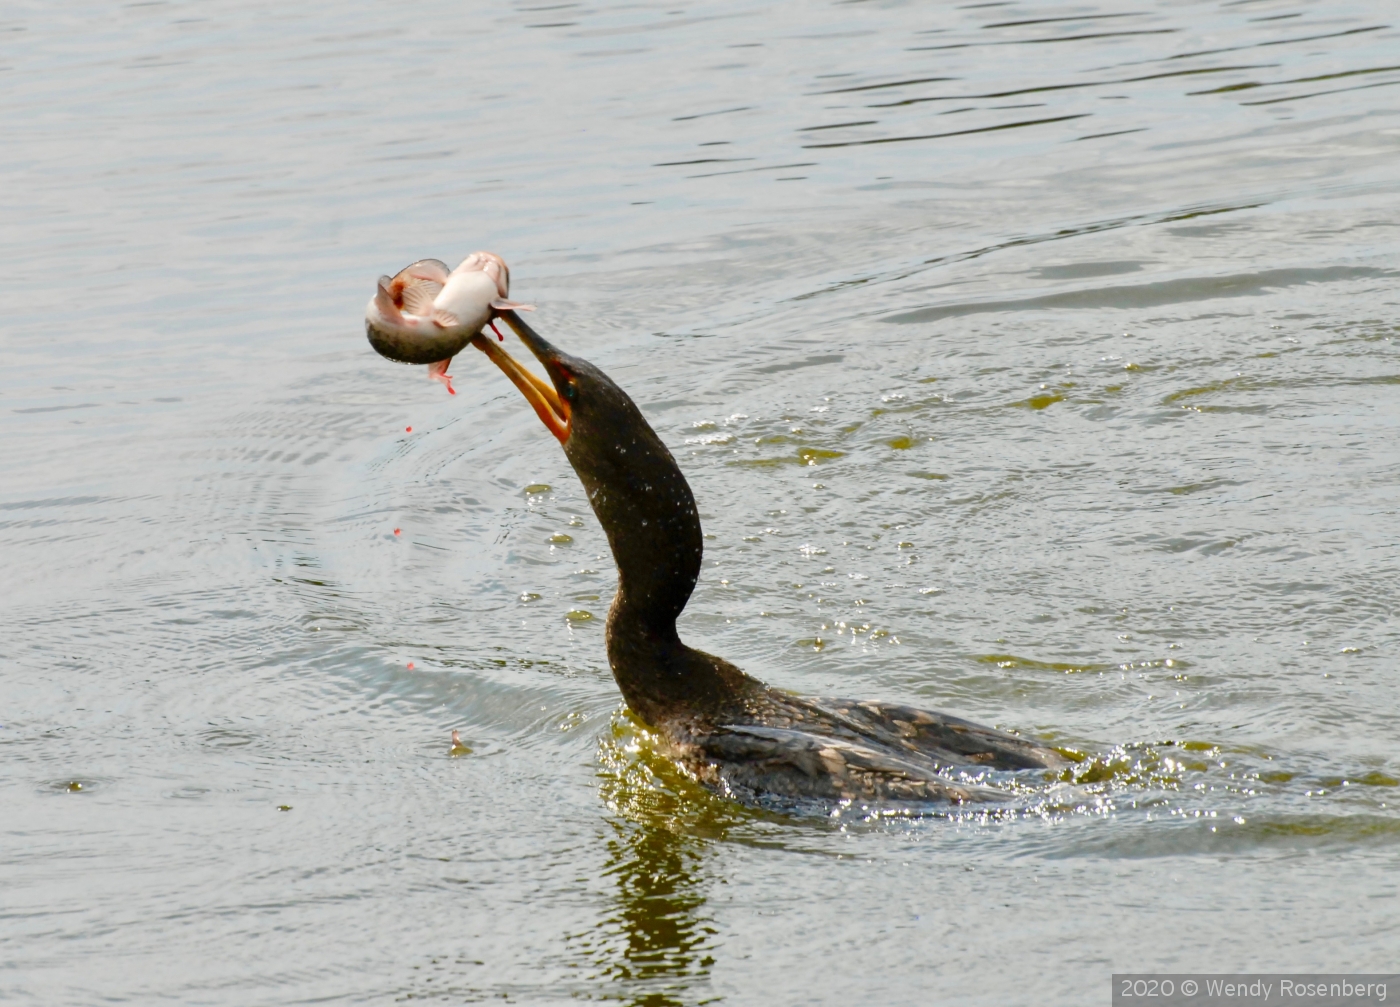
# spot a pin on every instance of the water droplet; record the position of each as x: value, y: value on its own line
x: 408, y: 430
x: 410, y: 665
x: 397, y: 530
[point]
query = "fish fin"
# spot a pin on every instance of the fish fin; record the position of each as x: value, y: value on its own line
x: 426, y: 269
x: 384, y: 301
x: 418, y: 294
x: 445, y: 319
x: 438, y: 372
x: 416, y: 284
x: 501, y: 304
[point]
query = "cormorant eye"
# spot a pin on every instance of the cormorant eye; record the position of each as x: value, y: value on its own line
x: 571, y: 391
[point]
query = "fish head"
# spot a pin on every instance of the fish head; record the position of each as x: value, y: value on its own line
x: 492, y: 265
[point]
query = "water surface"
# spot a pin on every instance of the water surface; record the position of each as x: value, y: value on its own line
x: 1033, y: 362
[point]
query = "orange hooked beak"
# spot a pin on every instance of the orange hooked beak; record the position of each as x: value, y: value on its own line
x: 552, y: 410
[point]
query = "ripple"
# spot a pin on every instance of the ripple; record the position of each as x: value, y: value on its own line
x: 1133, y: 435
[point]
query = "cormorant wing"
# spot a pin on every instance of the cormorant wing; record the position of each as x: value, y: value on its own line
x: 789, y: 762
x: 947, y: 740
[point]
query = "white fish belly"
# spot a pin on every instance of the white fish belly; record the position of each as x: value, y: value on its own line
x: 468, y: 296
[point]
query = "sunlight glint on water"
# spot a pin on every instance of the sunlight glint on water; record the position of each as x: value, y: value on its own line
x: 1033, y: 363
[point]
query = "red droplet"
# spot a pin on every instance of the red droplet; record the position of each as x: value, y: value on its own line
x: 408, y: 430
x: 397, y: 530
x: 410, y: 665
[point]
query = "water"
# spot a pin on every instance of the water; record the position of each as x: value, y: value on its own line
x: 1035, y: 363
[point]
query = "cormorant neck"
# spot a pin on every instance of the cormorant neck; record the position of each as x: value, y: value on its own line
x: 647, y: 510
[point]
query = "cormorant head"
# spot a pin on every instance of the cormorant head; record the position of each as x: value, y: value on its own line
x: 588, y: 413
x: 634, y: 485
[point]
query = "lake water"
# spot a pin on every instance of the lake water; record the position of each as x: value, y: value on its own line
x: 1034, y: 362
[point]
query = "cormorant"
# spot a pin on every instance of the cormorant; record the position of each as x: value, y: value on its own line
x: 731, y: 732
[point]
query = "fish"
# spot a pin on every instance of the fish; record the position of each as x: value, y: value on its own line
x: 427, y: 315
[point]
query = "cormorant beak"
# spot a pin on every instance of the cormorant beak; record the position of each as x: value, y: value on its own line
x: 551, y: 408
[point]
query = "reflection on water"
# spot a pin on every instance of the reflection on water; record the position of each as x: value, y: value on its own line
x: 654, y: 947
x: 1033, y: 363
x: 654, y: 944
